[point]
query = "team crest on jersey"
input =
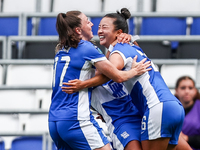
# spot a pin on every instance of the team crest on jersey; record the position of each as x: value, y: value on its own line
x: 125, y: 135
x: 99, y: 50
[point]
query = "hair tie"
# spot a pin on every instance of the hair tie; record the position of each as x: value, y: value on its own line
x: 64, y: 15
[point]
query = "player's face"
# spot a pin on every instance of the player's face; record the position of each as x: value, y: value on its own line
x: 186, y: 91
x: 106, y: 32
x: 86, y: 28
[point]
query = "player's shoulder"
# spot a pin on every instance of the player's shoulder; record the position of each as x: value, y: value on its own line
x: 85, y: 43
x: 121, y: 46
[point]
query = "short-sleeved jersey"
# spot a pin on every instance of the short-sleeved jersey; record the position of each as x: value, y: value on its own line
x: 114, y: 103
x: 148, y: 89
x: 70, y: 64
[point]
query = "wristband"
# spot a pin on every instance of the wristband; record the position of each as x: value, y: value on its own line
x: 134, y: 38
x: 110, y: 48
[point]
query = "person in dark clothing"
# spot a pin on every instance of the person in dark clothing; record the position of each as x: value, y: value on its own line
x: 189, y: 96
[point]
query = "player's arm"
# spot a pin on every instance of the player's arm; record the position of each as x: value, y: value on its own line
x: 110, y: 72
x: 77, y: 85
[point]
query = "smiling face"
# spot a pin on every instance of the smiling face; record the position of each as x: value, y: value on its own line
x: 186, y: 91
x: 106, y: 32
x: 86, y: 28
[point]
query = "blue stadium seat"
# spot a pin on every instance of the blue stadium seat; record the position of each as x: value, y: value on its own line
x: 10, y: 26
x: 29, y: 26
x: 2, y: 145
x: 195, y: 30
x: 47, y: 26
x: 162, y: 26
x: 27, y: 143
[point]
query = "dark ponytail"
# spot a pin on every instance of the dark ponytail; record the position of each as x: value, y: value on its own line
x: 120, y: 19
x: 65, y: 25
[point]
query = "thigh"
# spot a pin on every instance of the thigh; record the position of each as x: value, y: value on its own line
x: 60, y: 144
x: 182, y: 144
x: 133, y: 145
x: 82, y: 134
x: 157, y: 144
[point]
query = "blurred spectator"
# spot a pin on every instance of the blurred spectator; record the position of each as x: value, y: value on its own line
x: 189, y: 96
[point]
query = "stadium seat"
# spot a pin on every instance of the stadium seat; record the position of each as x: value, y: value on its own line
x: 133, y: 6
x: 195, y: 26
x: 18, y: 99
x: 31, y: 75
x: 113, y: 6
x: 2, y: 145
x: 9, y: 123
x: 44, y: 98
x: 161, y: 26
x: 37, y: 123
x: 178, y: 5
x: 27, y: 143
x: 67, y: 5
x: 10, y: 25
x: 46, y: 5
x: 47, y: 26
x: 171, y: 73
x: 19, y: 6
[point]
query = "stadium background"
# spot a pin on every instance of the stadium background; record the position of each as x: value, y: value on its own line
x: 169, y: 34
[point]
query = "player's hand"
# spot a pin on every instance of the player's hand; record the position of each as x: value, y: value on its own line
x: 72, y: 86
x: 124, y: 38
x: 142, y: 66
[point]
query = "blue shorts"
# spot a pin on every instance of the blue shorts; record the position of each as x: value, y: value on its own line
x: 69, y: 135
x: 163, y: 120
x: 125, y: 133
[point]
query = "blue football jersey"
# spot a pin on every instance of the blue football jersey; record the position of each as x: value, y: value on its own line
x: 148, y: 89
x: 70, y: 64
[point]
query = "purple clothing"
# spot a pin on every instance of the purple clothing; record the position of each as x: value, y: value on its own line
x: 191, y: 124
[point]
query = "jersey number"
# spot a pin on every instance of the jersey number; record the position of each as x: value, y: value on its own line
x: 144, y: 123
x: 67, y: 60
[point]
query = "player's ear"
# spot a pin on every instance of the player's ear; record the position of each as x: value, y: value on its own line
x: 119, y: 32
x: 78, y: 30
